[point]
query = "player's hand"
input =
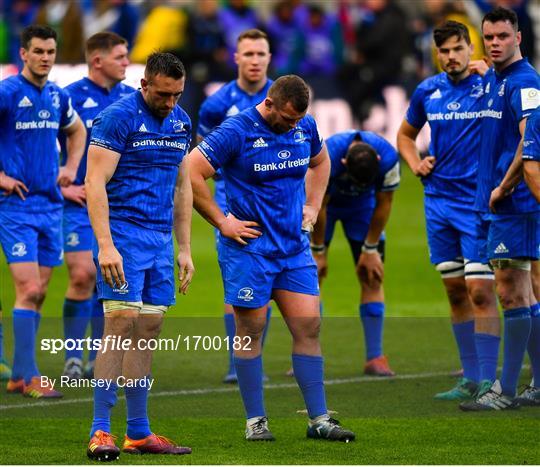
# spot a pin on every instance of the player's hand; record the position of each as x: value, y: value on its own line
x: 370, y: 269
x: 309, y: 217
x: 111, y: 264
x: 11, y: 185
x: 424, y: 167
x: 498, y: 194
x: 322, y: 265
x: 75, y: 193
x: 236, y: 229
x: 185, y: 270
x: 480, y: 67
x: 66, y: 176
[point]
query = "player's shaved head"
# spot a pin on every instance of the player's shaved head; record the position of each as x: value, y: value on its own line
x: 103, y: 42
x: 362, y: 164
x: 165, y: 64
x: 450, y: 29
x: 290, y: 88
x: 36, y: 30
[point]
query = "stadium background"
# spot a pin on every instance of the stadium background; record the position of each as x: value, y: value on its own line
x: 397, y: 421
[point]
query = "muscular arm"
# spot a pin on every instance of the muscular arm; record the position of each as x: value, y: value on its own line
x: 513, y: 175
x: 406, y: 143
x: 75, y: 145
x: 101, y: 167
x: 183, y: 202
x: 316, y: 183
x: 370, y: 267
x: 380, y: 216
x: 531, y: 172
x: 200, y: 170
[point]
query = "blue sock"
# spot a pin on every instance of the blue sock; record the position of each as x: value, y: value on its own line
x: 487, y: 349
x: 309, y: 374
x: 1, y: 341
x: 104, y: 401
x: 372, y: 316
x: 24, y: 334
x: 517, y: 327
x: 533, y: 347
x: 37, y: 321
x: 138, y: 425
x: 464, y: 334
x: 97, y: 322
x: 76, y: 318
x: 249, y: 372
x: 268, y: 316
x: 230, y: 329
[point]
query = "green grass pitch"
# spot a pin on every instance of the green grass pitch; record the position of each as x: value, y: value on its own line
x: 396, y: 421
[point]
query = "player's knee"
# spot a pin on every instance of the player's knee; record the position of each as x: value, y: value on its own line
x: 33, y: 294
x: 457, y: 295
x: 83, y: 280
x: 310, y: 329
x: 510, y: 298
x: 120, y: 317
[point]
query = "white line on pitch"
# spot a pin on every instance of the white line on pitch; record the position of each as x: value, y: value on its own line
x: 195, y: 392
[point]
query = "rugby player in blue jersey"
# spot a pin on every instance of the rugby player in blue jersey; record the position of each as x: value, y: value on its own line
x: 511, y: 94
x: 276, y: 169
x: 364, y: 175
x: 107, y: 58
x: 136, y: 167
x: 449, y: 102
x: 250, y: 88
x: 32, y: 112
x: 8, y: 185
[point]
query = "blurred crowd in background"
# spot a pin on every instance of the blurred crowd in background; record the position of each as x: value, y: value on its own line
x: 348, y: 49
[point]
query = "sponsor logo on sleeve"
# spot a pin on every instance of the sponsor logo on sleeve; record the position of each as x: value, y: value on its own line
x: 530, y: 98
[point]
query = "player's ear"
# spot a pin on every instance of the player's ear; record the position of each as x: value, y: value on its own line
x: 236, y: 58
x: 22, y: 53
x: 344, y: 161
x: 144, y: 84
x: 518, y: 37
x: 378, y: 157
x: 268, y: 103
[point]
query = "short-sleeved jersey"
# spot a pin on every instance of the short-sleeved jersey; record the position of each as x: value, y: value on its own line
x: 151, y: 149
x: 30, y: 119
x: 226, y: 102
x: 264, y: 173
x: 509, y: 97
x: 88, y: 100
x: 345, y: 194
x: 531, y: 139
x: 452, y: 112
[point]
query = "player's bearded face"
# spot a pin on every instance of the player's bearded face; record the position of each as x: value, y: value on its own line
x: 161, y: 93
x: 501, y: 41
x: 454, y: 55
x: 284, y: 119
x: 40, y: 56
x: 115, y: 62
x: 252, y: 57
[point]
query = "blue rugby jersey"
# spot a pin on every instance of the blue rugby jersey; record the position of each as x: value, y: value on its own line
x: 343, y: 193
x: 531, y: 139
x: 509, y: 97
x: 264, y: 173
x: 151, y: 149
x: 88, y: 100
x: 452, y: 112
x: 226, y: 102
x: 30, y: 119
